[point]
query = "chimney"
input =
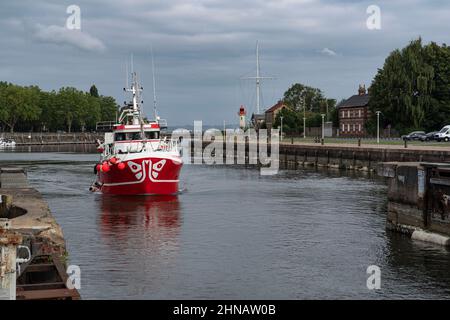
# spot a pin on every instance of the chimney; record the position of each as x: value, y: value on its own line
x: 362, y: 90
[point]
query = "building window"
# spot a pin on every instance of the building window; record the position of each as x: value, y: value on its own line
x: 343, y: 127
x: 359, y: 113
x: 343, y: 114
x: 348, y: 113
x: 359, y: 126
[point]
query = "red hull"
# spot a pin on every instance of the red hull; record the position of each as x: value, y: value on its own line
x: 142, y: 176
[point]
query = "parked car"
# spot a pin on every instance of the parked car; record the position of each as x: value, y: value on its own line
x: 443, y: 135
x: 415, y: 135
x: 429, y: 136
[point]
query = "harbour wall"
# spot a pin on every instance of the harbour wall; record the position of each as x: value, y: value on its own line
x: 33, y: 250
x: 419, y: 200
x: 364, y: 158
x: 53, y: 138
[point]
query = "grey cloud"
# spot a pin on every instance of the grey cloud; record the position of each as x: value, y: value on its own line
x: 61, y: 35
x: 203, y: 47
x: 328, y: 52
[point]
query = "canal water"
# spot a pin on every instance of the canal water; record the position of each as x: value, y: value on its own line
x: 233, y: 234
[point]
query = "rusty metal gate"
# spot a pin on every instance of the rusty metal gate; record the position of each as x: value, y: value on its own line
x: 437, y: 198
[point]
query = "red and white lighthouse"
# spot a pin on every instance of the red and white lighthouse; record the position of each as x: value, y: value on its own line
x: 242, y: 113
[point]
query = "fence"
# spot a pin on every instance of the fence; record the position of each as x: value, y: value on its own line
x: 53, y: 138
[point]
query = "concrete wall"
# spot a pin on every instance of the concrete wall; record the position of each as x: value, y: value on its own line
x: 352, y: 158
x: 418, y: 199
x: 52, y: 138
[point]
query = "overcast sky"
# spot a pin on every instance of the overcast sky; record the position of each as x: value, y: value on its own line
x: 202, y: 48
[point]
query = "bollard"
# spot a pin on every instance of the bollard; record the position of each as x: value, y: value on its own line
x: 292, y: 140
x: 406, y: 143
x: 322, y: 141
x: 359, y: 142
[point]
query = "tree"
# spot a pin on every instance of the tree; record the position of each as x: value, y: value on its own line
x: 18, y: 104
x: 108, y: 108
x: 30, y: 108
x: 412, y: 88
x: 291, y: 121
x: 93, y: 91
x: 71, y: 103
x: 300, y: 98
x: 313, y: 98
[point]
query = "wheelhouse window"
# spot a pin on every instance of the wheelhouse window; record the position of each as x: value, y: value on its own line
x: 152, y: 135
x: 120, y: 136
x: 134, y: 136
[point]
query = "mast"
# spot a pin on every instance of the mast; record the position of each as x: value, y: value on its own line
x: 126, y: 74
x: 136, y: 90
x: 257, y: 78
x: 154, y: 87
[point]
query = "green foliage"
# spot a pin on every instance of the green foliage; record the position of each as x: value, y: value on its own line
x: 18, y: 104
x: 412, y: 90
x: 300, y: 98
x: 93, y: 91
x: 68, y: 109
x: 292, y: 123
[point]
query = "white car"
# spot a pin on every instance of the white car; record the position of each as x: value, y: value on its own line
x: 7, y: 143
x: 443, y: 135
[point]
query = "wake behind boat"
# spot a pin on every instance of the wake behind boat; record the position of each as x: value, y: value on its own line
x: 135, y: 159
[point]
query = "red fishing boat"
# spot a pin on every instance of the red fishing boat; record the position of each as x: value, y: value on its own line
x: 135, y: 159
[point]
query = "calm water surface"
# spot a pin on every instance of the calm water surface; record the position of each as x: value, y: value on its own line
x: 233, y: 234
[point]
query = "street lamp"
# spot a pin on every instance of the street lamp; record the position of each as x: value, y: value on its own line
x: 378, y: 126
x: 323, y: 125
x: 281, y: 117
x: 304, y: 118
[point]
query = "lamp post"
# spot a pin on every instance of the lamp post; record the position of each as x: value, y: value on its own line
x: 378, y: 126
x: 224, y: 130
x: 323, y: 125
x: 281, y: 117
x: 304, y: 118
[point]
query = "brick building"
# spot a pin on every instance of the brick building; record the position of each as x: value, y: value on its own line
x: 353, y: 114
x: 272, y: 112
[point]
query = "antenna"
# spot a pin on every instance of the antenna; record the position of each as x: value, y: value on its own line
x: 258, y: 79
x: 132, y: 64
x: 258, y: 83
x: 154, y: 85
x: 126, y: 74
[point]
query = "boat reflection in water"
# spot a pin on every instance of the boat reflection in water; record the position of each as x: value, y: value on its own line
x: 152, y: 219
x: 144, y: 229
x: 158, y: 213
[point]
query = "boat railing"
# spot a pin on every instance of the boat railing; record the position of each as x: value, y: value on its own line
x: 167, y: 145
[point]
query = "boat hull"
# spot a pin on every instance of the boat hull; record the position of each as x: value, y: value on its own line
x: 142, y: 176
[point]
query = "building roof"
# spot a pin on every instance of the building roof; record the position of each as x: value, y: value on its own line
x: 275, y: 107
x: 358, y: 100
x: 258, y: 117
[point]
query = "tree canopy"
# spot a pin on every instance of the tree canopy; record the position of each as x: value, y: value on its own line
x: 412, y: 90
x: 299, y: 98
x: 313, y: 98
x: 32, y: 109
